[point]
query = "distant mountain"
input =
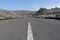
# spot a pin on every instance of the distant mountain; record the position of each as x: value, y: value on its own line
x: 24, y: 11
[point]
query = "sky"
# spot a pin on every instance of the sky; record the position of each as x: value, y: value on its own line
x: 28, y: 4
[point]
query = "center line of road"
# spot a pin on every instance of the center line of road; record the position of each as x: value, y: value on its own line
x: 30, y: 34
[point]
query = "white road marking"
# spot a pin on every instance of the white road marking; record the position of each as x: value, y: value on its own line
x: 30, y: 34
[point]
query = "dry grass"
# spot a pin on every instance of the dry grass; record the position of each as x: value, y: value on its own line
x: 4, y: 14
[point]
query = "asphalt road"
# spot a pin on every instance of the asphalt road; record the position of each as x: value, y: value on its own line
x: 42, y: 29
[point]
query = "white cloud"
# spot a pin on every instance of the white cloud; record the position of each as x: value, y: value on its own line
x: 37, y: 5
x: 53, y: 6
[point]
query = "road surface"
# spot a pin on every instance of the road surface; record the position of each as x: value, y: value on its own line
x: 30, y: 29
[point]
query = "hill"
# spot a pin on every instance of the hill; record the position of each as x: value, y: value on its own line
x: 5, y: 14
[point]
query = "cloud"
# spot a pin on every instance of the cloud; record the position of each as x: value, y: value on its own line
x: 53, y: 6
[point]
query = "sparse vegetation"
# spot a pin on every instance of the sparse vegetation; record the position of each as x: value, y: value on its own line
x: 48, y: 13
x: 42, y: 12
x: 5, y: 14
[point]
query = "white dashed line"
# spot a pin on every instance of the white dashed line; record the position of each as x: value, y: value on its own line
x: 30, y: 34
